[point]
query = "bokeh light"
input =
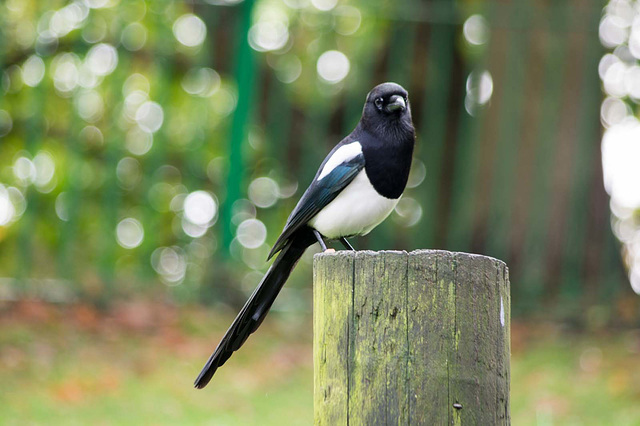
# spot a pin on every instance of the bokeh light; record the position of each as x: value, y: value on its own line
x: 191, y: 229
x: 189, y: 30
x: 170, y: 263
x: 24, y: 170
x: 7, y: 210
x: 91, y: 136
x: 479, y: 90
x: 18, y: 200
x: 417, y: 174
x: 251, y: 233
x: 87, y: 78
x: 97, y: 4
x: 200, y: 208
x: 136, y: 82
x: 333, y: 66
x: 89, y: 105
x: 347, y: 19
x: 33, y: 71
x: 150, y: 116
x: 613, y: 111
x: 620, y: 154
x: 25, y: 34
x: 613, y: 30
x: 138, y: 141
x: 62, y: 206
x: 268, y: 36
x: 263, y: 192
x: 614, y: 79
x: 632, y: 82
x: 475, y: 30
x: 134, y: 36
x: 129, y: 233
x: 102, y: 59
x: 408, y: 211
x: 324, y: 5
x: 128, y: 172
x: 201, y: 82
x: 132, y: 103
x: 68, y: 18
x: 65, y: 73
x: 45, y: 168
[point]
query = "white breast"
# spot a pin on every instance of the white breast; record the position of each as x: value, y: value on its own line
x: 355, y: 211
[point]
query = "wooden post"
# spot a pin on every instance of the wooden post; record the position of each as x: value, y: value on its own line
x: 418, y: 338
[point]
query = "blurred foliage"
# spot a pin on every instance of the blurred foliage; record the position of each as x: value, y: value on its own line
x: 88, y: 87
x: 145, y: 142
x: 115, y: 118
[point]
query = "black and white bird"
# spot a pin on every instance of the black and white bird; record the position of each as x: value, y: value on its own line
x: 356, y: 187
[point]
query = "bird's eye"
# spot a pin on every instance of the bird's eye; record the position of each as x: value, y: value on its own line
x: 378, y: 102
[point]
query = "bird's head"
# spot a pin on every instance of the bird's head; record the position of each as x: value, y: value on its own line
x: 388, y: 99
x: 387, y: 109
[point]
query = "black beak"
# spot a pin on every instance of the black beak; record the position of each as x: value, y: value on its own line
x: 396, y: 103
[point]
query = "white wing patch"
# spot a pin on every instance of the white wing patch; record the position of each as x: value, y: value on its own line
x: 344, y: 153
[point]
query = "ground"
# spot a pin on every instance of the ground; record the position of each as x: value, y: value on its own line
x: 135, y: 364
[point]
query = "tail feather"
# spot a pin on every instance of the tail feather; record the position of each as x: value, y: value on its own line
x: 258, y: 305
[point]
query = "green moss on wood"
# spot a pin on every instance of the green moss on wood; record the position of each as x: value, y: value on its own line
x: 410, y: 338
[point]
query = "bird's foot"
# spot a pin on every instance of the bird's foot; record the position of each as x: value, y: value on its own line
x: 329, y: 250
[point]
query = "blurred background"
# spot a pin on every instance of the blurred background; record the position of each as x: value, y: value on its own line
x: 151, y: 151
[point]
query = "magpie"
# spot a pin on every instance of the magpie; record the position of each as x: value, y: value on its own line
x: 356, y: 187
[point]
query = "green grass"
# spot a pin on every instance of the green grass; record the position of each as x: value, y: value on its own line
x: 136, y: 365
x: 136, y: 371
x: 575, y: 379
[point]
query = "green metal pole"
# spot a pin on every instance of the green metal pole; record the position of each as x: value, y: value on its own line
x: 245, y: 76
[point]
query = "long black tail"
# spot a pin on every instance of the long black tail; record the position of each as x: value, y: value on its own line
x: 256, y: 308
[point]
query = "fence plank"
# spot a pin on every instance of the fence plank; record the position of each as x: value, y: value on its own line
x: 432, y: 130
x: 587, y: 145
x: 546, y: 139
x: 499, y: 225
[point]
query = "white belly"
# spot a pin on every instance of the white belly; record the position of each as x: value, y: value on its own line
x: 355, y: 211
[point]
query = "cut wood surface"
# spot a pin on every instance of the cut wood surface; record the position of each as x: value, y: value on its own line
x: 418, y: 338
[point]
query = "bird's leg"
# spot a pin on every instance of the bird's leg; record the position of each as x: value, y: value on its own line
x: 320, y: 240
x: 346, y: 244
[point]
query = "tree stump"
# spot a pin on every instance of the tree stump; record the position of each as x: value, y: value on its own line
x: 418, y: 338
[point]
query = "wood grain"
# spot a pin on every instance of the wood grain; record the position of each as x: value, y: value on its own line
x: 411, y: 338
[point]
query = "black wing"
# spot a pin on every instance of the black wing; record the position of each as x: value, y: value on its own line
x: 317, y: 196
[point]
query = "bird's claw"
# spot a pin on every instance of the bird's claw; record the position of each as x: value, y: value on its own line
x: 329, y: 250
